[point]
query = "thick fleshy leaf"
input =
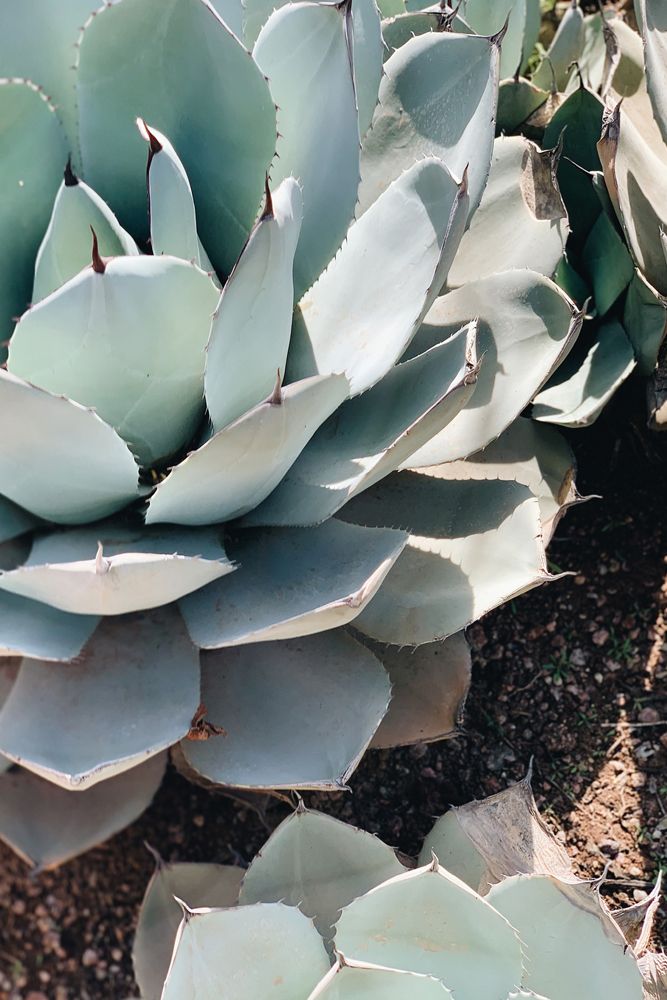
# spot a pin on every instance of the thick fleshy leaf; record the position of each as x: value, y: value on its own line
x: 576, y: 398
x: 47, y: 825
x: 429, y: 686
x: 430, y: 922
x: 608, y: 263
x: 571, y: 927
x: 193, y: 80
x: 65, y: 249
x: 521, y: 219
x: 399, y: 29
x: 365, y: 309
x: 487, y: 17
x: 127, y: 338
x: 456, y: 852
x: 349, y: 980
x: 131, y: 693
x: 367, y: 53
x: 319, y: 864
x: 111, y: 570
x: 653, y: 24
x: 532, y: 454
x: 303, y: 50
x: 259, y: 447
x: 232, y: 13
x: 645, y: 322
x: 370, y: 436
x: 250, y: 951
x: 14, y: 521
x: 60, y: 483
x: 9, y: 668
x: 34, y: 153
x: 160, y: 915
x: 636, y: 921
x: 28, y: 628
x: 526, y: 326
x: 457, y: 72
x: 473, y: 545
x: 296, y: 714
x: 253, y: 321
x: 635, y: 170
x: 292, y: 582
x: 518, y: 99
x: 566, y: 47
x: 171, y: 207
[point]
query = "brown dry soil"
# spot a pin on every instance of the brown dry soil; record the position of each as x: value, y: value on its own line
x: 572, y: 674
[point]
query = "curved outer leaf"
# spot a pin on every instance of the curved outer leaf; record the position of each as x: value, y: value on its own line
x: 488, y: 17
x: 645, y: 322
x: 532, y: 454
x: 319, y: 864
x: 517, y: 101
x: 34, y: 153
x: 60, y: 483
x: 129, y: 342
x: 232, y: 13
x: 399, y: 29
x: 297, y: 714
x: 160, y: 915
x: 521, y: 221
x: 197, y: 86
x: 455, y: 851
x: 365, y: 309
x: 572, y: 928
x: 14, y: 521
x: 607, y: 262
x: 293, y: 582
x: 653, y: 23
x: 430, y: 922
x: 252, y: 323
x: 65, y: 249
x: 355, y: 981
x: 240, y: 465
x: 473, y: 545
x: 132, y: 570
x: 135, y: 688
x: 566, y: 48
x: 171, y: 207
x: 370, y: 436
x: 429, y: 686
x: 47, y: 825
x: 578, y: 400
x: 457, y: 72
x: 303, y: 51
x: 28, y: 628
x: 526, y: 326
x: 38, y: 42
x: 9, y: 669
x: 253, y: 951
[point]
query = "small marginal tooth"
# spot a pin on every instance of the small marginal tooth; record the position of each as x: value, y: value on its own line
x: 276, y: 396
x: 71, y: 180
x: 102, y: 565
x: 99, y: 265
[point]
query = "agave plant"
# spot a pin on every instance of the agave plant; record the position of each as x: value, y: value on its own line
x: 494, y: 910
x: 248, y: 414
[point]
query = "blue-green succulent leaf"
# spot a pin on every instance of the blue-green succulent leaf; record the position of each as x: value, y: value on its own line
x: 319, y: 864
x: 351, y: 980
x: 111, y: 570
x: 9, y: 668
x: 232, y: 13
x: 160, y: 914
x: 456, y: 852
x: 240, y: 465
x: 430, y: 922
x: 373, y: 434
x: 171, y: 207
x: 565, y: 49
x: 296, y: 714
x: 61, y: 483
x: 645, y: 322
x: 400, y: 28
x: 28, y: 628
x: 607, y: 262
x: 457, y: 72
x: 34, y: 154
x: 128, y: 339
x: 653, y: 24
x: 193, y: 80
x: 488, y: 17
x: 292, y: 582
x: 517, y: 101
x: 136, y: 690
x: 253, y: 321
x: 258, y: 951
x: 367, y: 50
x: 14, y: 521
x: 521, y: 221
x: 576, y: 398
x: 47, y: 825
x: 366, y: 307
x: 526, y: 326
x: 303, y: 50
x: 65, y: 249
x: 574, y: 927
x: 473, y: 546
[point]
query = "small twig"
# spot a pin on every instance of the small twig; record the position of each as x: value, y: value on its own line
x: 632, y: 725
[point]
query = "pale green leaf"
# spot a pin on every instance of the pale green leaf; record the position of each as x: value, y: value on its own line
x: 645, y: 322
x: 355, y: 981
x: 488, y: 17
x: 652, y: 16
x: 28, y: 628
x: 14, y: 521
x: 607, y: 262
x: 566, y: 47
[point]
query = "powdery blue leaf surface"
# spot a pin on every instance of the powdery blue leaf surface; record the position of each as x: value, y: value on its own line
x: 653, y: 24
x: 14, y: 521
x: 645, y: 322
x: 349, y: 980
x: 29, y: 628
x: 488, y: 17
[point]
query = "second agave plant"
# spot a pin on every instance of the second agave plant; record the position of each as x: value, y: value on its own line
x: 264, y: 458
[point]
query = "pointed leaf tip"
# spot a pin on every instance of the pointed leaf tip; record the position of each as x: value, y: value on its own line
x: 150, y: 137
x: 102, y: 565
x: 497, y: 39
x: 276, y: 396
x: 611, y: 123
x: 98, y: 264
x: 268, y: 203
x: 71, y: 180
x: 156, y: 856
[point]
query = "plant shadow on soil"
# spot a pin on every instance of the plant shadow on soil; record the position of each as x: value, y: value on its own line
x: 572, y: 674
